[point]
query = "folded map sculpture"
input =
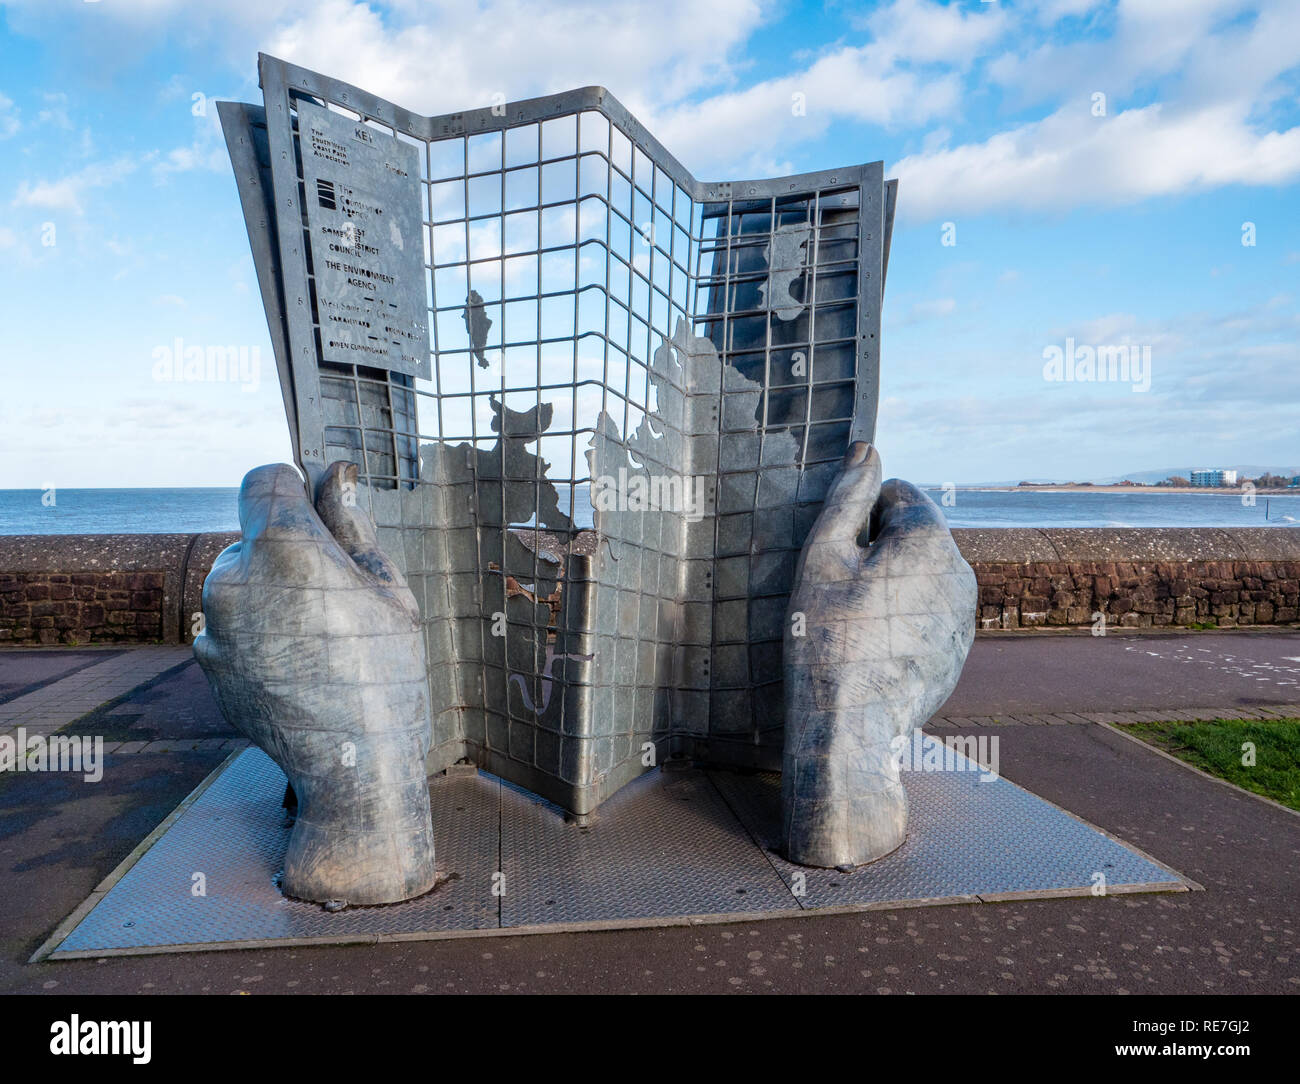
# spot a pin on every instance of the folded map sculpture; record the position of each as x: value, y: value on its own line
x: 596, y: 407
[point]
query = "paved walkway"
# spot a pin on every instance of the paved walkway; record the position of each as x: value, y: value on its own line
x: 1115, y: 718
x: 1046, y: 673
x: 63, y: 701
x: 60, y: 836
x: 24, y: 670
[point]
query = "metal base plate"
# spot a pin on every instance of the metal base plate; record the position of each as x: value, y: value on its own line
x: 670, y: 848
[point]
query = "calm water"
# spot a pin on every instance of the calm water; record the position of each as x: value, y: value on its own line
x: 119, y: 511
x: 984, y: 508
x: 147, y: 511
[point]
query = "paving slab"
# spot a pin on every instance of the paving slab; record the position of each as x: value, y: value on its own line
x: 58, y: 703
x: 23, y: 670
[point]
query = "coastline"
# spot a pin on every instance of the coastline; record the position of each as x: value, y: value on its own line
x: 1218, y: 491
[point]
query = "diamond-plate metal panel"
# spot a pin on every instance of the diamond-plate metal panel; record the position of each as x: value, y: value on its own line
x: 235, y: 835
x: 664, y: 846
x: 667, y: 846
x: 966, y: 836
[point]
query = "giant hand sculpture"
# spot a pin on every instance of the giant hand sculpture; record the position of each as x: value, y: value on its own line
x: 886, y: 627
x: 312, y: 646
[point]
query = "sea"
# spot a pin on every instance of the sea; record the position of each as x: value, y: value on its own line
x: 183, y: 511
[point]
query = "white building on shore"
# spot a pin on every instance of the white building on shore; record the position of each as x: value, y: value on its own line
x: 1216, y: 477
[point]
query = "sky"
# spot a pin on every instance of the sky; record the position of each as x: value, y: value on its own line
x: 1074, y: 176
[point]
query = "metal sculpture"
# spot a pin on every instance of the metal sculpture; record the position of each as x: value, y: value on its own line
x: 312, y: 646
x: 637, y: 391
x: 882, y: 619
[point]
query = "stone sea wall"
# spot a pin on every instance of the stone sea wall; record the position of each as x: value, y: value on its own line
x: 103, y: 588
x: 1134, y: 577
x: 85, y: 589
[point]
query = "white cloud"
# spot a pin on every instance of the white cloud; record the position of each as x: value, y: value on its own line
x: 1052, y: 11
x: 207, y: 441
x: 657, y: 56
x: 448, y: 56
x: 67, y: 193
x: 174, y: 89
x: 9, y: 122
x: 934, y: 309
x: 1223, y: 386
x: 1205, y: 127
x: 907, y: 74
x: 921, y: 31
x: 854, y: 84
x: 1185, y: 44
x: 1180, y: 118
x: 55, y: 113
x: 206, y: 150
x: 1072, y: 158
x: 200, y: 154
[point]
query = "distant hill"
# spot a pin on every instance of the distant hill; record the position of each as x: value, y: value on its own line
x: 1142, y: 477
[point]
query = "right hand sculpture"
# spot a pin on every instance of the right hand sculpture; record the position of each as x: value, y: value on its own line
x: 886, y: 628
x: 313, y: 648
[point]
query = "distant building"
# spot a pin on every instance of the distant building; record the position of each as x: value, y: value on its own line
x: 1216, y: 477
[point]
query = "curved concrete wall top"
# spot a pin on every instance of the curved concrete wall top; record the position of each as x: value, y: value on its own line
x: 1129, y: 544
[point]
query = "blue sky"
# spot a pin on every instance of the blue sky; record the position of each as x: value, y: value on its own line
x: 1109, y: 222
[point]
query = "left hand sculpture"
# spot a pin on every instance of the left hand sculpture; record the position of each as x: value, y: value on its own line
x: 886, y: 628
x: 312, y: 646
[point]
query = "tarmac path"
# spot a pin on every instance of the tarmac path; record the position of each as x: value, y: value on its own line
x: 59, y: 837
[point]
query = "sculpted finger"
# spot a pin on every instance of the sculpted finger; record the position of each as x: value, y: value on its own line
x: 903, y: 508
x: 273, y: 503
x: 931, y: 589
x: 263, y: 598
x: 342, y: 514
x: 284, y: 543
x: 910, y: 537
x: 831, y: 549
